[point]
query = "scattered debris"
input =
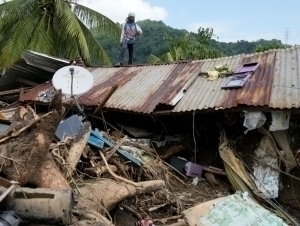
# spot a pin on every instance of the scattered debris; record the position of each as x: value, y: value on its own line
x: 219, y: 71
x: 65, y: 168
x: 24, y: 147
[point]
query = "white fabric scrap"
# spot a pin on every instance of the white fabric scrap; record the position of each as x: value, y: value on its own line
x: 280, y: 120
x: 254, y: 120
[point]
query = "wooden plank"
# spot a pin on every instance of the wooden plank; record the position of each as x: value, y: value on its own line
x: 106, y: 98
x: 12, y: 91
x: 8, y: 190
x: 5, y: 183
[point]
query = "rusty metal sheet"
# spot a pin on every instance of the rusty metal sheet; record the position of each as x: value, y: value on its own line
x: 32, y: 95
x: 205, y: 94
x: 257, y: 90
x: 144, y: 89
x: 140, y: 89
x: 286, y: 83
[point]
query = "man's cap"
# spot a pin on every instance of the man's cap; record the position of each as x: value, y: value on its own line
x: 131, y: 14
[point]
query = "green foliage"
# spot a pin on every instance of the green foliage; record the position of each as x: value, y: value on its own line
x: 55, y: 27
x: 203, y: 49
x: 150, y: 42
x: 188, y: 48
x: 153, y: 43
x: 265, y: 46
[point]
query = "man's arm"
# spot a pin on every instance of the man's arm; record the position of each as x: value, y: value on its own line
x: 122, y: 33
x: 138, y: 30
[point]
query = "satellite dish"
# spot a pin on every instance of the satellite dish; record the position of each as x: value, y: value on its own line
x: 73, y: 80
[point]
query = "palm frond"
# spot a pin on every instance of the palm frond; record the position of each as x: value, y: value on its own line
x: 42, y: 39
x: 167, y: 57
x: 154, y: 59
x: 70, y: 28
x: 16, y: 40
x: 96, y: 50
x: 97, y: 21
x: 57, y: 29
x: 68, y: 49
x: 15, y: 9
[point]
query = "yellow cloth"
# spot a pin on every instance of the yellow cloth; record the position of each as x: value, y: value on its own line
x: 213, y: 75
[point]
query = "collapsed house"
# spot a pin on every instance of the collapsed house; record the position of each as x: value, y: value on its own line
x: 219, y: 125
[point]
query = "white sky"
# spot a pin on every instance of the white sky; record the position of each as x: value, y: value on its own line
x: 232, y: 20
x: 117, y: 10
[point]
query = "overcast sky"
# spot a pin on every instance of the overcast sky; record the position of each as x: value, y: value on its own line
x: 232, y: 20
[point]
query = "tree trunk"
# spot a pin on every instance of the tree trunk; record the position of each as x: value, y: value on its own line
x: 25, y: 147
x: 109, y: 193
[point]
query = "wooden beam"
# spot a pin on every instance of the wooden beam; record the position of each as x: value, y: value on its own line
x: 106, y: 98
x: 27, y: 82
x: 12, y: 91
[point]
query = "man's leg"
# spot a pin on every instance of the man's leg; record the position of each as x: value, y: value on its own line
x: 122, y: 52
x: 130, y: 53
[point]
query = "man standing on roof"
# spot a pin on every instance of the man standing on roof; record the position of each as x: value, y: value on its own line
x: 130, y: 30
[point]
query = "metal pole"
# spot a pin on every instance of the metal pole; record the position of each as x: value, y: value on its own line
x: 74, y: 97
x: 72, y: 75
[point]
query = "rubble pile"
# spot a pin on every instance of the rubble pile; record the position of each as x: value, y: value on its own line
x: 60, y: 171
x: 63, y: 170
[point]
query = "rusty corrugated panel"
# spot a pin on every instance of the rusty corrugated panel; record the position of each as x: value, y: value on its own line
x: 178, y: 80
x: 257, y: 90
x: 104, y: 79
x: 33, y: 93
x: 205, y: 94
x: 286, y: 83
x: 140, y: 89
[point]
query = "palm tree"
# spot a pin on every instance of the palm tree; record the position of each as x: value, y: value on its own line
x: 61, y: 28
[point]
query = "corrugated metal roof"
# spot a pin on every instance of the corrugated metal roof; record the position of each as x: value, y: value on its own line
x: 205, y: 94
x: 286, y: 85
x: 140, y: 89
x: 143, y: 89
x: 35, y: 67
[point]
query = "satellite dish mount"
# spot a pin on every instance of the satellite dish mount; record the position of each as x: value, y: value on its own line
x: 72, y: 95
x: 73, y: 80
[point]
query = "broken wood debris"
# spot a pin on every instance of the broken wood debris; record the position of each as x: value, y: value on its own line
x: 109, y: 171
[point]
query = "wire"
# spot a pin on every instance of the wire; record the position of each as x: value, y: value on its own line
x: 195, y: 160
